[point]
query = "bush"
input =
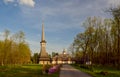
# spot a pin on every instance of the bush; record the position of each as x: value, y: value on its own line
x: 104, y: 73
x: 87, y: 67
x: 45, y: 69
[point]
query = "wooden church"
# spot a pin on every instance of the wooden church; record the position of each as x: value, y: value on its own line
x: 44, y: 57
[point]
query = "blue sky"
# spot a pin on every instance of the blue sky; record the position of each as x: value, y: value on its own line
x: 62, y: 19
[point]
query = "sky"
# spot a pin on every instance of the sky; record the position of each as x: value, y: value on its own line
x: 62, y: 19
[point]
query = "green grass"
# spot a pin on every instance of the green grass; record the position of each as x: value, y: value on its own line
x: 95, y: 71
x: 24, y: 71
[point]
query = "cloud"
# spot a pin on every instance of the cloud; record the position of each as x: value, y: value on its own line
x: 73, y: 11
x: 8, y: 1
x: 113, y: 2
x: 30, y: 3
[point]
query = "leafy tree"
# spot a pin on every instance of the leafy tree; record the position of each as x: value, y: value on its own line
x: 96, y: 41
x: 14, y: 50
x: 54, y: 54
x: 35, y: 58
x: 116, y: 31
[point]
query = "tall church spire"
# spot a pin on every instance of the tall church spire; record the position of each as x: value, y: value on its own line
x: 43, y: 34
x: 44, y: 57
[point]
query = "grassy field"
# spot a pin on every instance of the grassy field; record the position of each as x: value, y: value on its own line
x: 99, y: 71
x: 24, y: 71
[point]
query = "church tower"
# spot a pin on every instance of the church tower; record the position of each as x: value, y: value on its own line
x: 44, y: 58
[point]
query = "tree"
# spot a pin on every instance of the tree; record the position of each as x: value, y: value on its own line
x: 6, y: 33
x: 35, y: 58
x: 95, y: 41
x: 14, y: 50
x: 54, y: 54
x: 1, y: 52
x: 116, y: 31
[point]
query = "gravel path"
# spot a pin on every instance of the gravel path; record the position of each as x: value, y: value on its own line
x: 69, y: 71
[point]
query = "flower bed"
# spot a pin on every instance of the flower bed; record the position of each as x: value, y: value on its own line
x: 47, y: 69
x: 54, y: 69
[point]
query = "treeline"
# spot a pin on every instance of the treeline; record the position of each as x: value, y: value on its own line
x: 100, y: 42
x: 14, y: 49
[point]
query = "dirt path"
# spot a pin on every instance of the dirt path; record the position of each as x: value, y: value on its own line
x: 69, y: 71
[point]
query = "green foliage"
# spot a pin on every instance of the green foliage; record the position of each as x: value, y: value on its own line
x: 35, y: 58
x: 54, y: 54
x: 99, y: 71
x: 14, y: 51
x: 99, y: 42
x: 88, y: 67
x: 45, y: 69
x: 24, y: 71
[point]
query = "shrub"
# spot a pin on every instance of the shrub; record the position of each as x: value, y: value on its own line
x: 104, y: 73
x: 89, y: 67
x: 45, y: 69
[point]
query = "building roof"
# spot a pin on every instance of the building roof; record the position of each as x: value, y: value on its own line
x: 63, y: 56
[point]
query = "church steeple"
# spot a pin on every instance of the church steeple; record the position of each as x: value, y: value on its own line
x: 44, y: 57
x: 43, y: 34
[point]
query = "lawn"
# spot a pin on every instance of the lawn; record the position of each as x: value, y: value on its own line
x: 99, y: 71
x: 24, y: 71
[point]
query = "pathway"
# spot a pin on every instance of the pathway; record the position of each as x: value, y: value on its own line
x: 69, y: 71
